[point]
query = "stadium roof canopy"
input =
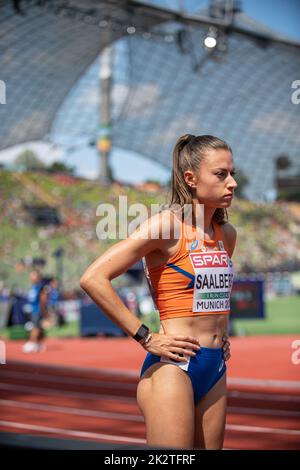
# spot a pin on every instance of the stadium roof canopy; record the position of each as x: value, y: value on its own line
x: 165, y: 82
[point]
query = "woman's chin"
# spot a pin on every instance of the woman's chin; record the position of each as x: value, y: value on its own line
x: 219, y: 204
x: 225, y: 203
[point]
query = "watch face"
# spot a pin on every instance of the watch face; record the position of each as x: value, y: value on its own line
x: 141, y: 333
x: 144, y: 331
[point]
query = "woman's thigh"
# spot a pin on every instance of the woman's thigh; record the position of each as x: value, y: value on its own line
x: 210, y: 417
x: 165, y: 397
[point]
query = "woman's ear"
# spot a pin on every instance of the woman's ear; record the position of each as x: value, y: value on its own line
x: 189, y: 178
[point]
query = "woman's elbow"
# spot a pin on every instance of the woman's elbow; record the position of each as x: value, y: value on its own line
x: 84, y: 281
x: 87, y: 279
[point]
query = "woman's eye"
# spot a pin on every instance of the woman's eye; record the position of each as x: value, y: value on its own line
x: 222, y: 175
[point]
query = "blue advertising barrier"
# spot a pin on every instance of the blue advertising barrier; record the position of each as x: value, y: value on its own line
x: 93, y: 322
x: 12, y: 310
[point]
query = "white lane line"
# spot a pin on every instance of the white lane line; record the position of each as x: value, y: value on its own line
x: 72, y: 410
x: 265, y: 383
x: 231, y: 393
x: 133, y: 374
x: 132, y: 386
x: 121, y: 398
x: 262, y: 411
x: 69, y: 432
x: 263, y: 396
x: 131, y: 417
x: 49, y: 391
x: 238, y: 427
x: 67, y: 380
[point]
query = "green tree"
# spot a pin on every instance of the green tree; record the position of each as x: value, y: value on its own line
x: 60, y: 167
x: 282, y: 162
x: 28, y: 160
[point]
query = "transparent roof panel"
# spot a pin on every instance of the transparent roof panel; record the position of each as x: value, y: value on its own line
x: 165, y: 83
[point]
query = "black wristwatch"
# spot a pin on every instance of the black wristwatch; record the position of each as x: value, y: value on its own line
x: 141, y: 333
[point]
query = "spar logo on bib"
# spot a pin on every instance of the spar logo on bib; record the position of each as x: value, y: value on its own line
x: 209, y: 260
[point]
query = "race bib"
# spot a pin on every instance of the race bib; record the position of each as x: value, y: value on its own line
x: 213, y: 281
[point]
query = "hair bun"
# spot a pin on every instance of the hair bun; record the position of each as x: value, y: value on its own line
x: 185, y: 139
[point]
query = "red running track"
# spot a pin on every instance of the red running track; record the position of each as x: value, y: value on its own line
x: 86, y: 389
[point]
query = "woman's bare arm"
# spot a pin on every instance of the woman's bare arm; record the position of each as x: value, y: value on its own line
x: 96, y: 281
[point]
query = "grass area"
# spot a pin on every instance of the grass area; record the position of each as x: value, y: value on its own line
x: 71, y: 329
x: 282, y: 317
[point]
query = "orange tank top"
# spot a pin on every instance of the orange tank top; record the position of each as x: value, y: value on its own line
x: 196, y: 280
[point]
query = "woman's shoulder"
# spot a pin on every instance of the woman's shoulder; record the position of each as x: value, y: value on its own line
x: 229, y: 230
x: 168, y: 224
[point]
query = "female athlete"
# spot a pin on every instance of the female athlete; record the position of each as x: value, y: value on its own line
x: 187, y: 250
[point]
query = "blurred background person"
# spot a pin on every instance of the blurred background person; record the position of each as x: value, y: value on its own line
x: 54, y: 295
x: 37, y: 297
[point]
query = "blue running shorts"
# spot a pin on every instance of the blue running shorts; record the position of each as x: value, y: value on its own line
x: 204, y: 369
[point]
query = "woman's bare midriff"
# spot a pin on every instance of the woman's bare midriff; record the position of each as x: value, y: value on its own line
x: 208, y: 329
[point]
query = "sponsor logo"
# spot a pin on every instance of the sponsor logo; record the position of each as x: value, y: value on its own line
x: 295, y: 98
x: 296, y: 354
x: 2, y: 92
x: 209, y: 260
x: 194, y: 245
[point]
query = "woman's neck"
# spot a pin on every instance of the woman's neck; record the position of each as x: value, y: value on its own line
x: 207, y: 218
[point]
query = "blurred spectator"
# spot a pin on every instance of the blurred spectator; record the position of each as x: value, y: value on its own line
x: 37, y: 297
x: 131, y: 302
x: 129, y: 297
x: 53, y: 298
